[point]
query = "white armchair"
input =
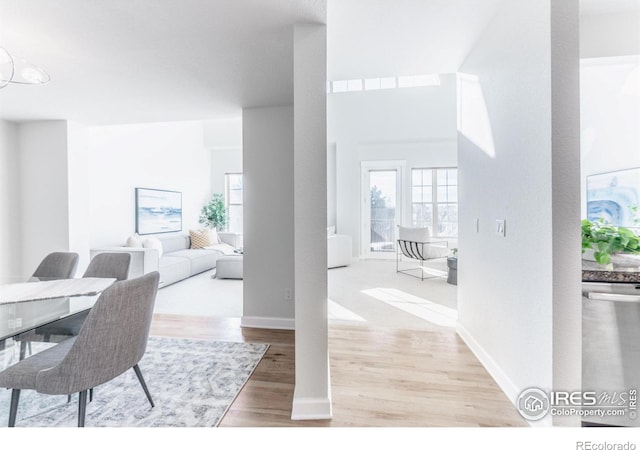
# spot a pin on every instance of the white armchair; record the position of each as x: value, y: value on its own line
x: 417, y: 244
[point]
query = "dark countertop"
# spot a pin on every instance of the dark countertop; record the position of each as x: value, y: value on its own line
x: 593, y: 272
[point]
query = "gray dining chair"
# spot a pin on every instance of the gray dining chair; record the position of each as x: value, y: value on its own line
x: 103, y: 265
x: 112, y: 340
x: 109, y: 265
x: 57, y: 265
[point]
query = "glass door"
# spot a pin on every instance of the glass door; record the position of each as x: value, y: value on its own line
x: 381, y: 211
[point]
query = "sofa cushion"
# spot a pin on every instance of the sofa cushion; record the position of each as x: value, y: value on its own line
x: 154, y: 243
x: 200, y: 260
x: 173, y: 269
x: 175, y: 242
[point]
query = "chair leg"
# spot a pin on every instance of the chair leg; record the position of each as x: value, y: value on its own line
x: 90, y: 395
x: 82, y: 408
x: 23, y: 350
x: 13, y: 411
x: 144, y: 385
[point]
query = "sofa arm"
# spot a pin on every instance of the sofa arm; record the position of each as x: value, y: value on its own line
x: 233, y: 239
x: 143, y: 260
x: 339, y: 250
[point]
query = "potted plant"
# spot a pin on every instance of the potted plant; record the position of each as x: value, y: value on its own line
x: 214, y: 213
x: 607, y: 242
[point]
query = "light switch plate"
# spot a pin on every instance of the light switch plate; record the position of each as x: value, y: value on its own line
x: 501, y: 227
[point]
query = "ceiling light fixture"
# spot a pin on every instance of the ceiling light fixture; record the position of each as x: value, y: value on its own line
x: 19, y: 71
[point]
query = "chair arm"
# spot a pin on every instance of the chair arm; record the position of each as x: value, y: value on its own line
x: 233, y: 239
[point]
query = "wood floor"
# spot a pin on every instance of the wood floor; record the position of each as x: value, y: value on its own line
x: 379, y: 377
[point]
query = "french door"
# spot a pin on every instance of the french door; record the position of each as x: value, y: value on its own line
x: 381, y: 207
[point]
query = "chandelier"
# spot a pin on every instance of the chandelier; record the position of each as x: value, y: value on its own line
x: 19, y: 71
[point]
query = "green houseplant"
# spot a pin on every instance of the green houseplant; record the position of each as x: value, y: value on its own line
x: 214, y: 213
x: 606, y: 240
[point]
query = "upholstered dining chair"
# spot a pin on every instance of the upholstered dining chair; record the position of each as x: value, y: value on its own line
x: 109, y: 265
x: 112, y: 340
x: 103, y: 265
x: 57, y: 265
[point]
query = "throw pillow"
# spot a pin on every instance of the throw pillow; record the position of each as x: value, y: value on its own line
x: 154, y: 243
x: 201, y: 238
x: 134, y: 241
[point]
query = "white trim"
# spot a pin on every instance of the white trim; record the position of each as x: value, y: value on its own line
x: 511, y: 390
x: 272, y: 323
x: 311, y: 408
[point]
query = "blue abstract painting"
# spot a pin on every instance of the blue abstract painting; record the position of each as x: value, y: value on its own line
x: 615, y: 197
x: 158, y: 211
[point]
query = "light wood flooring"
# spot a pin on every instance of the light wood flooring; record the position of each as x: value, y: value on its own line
x: 380, y: 377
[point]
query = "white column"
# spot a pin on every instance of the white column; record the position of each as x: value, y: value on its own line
x: 565, y: 170
x: 312, y: 396
x: 268, y: 217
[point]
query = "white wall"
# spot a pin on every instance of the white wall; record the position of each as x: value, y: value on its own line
x: 268, y: 267
x: 167, y: 156
x: 10, y: 233
x: 332, y: 185
x: 223, y: 162
x: 610, y: 35
x: 610, y: 135
x: 224, y: 138
x: 417, y: 125
x: 78, y: 185
x: 507, y: 144
x: 44, y: 201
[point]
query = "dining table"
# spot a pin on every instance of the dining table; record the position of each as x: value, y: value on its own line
x: 29, y: 304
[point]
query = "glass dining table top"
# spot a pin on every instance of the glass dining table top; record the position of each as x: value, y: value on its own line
x: 28, y: 305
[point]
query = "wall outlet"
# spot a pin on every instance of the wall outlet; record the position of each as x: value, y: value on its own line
x: 288, y: 294
x: 501, y: 225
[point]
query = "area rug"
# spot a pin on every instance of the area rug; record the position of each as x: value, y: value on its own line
x: 192, y: 382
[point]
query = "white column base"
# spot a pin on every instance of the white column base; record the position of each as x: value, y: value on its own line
x: 271, y: 323
x: 308, y: 408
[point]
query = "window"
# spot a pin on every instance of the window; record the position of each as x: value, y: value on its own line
x: 434, y: 200
x: 233, y: 197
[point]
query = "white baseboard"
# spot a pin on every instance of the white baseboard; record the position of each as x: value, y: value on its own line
x: 272, y: 323
x: 307, y: 408
x: 511, y: 390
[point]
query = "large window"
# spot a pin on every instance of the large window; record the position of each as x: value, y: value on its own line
x: 434, y: 200
x: 233, y: 197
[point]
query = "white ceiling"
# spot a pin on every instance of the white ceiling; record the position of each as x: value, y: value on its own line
x: 124, y: 61
x: 373, y: 38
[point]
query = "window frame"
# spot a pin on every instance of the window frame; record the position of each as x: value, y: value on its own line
x: 434, y: 198
x: 227, y: 198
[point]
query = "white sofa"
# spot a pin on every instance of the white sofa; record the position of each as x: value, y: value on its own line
x: 339, y: 249
x: 178, y: 260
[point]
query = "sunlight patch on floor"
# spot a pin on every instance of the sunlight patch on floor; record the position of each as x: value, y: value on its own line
x: 420, y: 307
x: 338, y: 312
